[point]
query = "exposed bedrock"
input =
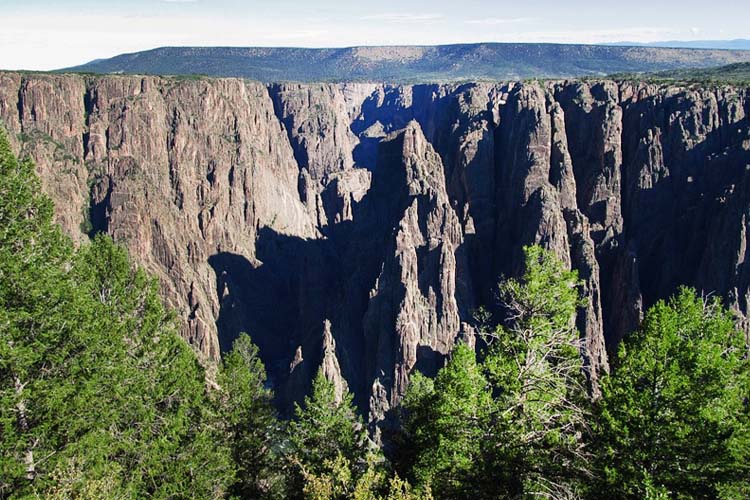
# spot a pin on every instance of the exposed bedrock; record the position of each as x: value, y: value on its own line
x: 356, y: 227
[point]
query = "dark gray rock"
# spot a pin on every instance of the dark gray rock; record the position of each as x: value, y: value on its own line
x: 356, y: 227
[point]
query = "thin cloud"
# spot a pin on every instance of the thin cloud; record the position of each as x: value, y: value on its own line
x: 495, y: 21
x: 645, y: 34
x: 296, y: 35
x: 179, y: 1
x: 404, y: 17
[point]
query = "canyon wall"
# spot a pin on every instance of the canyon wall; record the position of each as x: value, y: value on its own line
x: 358, y: 227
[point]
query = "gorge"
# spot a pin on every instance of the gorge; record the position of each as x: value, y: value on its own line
x: 358, y: 226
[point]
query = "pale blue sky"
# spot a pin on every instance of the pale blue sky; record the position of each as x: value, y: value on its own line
x: 47, y: 34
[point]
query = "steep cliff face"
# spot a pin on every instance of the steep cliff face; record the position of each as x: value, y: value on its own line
x: 179, y: 173
x: 536, y: 198
x: 422, y: 292
x: 686, y: 169
x: 356, y: 227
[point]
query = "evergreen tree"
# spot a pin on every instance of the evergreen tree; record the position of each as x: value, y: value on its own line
x: 37, y: 322
x: 252, y: 429
x: 446, y: 423
x: 536, y: 369
x: 159, y: 421
x: 674, y: 417
x: 324, y: 432
x: 99, y: 397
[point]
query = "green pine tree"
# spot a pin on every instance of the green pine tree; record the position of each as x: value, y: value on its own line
x: 674, y: 417
x: 535, y: 366
x: 446, y: 423
x: 99, y: 396
x: 252, y: 430
x: 38, y: 318
x: 159, y: 420
x: 325, y: 433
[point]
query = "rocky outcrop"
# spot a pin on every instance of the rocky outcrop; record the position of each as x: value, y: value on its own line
x: 317, y: 119
x: 45, y: 118
x: 686, y: 169
x: 537, y: 203
x: 176, y: 172
x: 302, y: 371
x: 413, y: 314
x: 356, y: 227
x: 330, y: 364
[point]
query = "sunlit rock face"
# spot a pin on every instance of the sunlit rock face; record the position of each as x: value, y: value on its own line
x: 357, y: 227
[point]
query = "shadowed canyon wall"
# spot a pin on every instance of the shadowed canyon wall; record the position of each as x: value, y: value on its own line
x: 358, y: 226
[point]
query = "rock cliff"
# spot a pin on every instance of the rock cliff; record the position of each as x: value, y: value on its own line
x: 356, y: 227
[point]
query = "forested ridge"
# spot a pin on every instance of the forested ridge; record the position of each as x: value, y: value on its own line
x: 437, y: 63
x: 101, y: 398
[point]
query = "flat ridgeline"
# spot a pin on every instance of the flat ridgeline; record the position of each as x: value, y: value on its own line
x: 416, y: 64
x: 100, y: 397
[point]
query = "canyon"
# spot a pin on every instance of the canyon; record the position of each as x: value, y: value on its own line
x: 358, y: 227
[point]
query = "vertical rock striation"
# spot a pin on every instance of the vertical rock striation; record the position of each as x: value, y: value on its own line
x: 537, y: 203
x: 413, y: 314
x: 356, y: 227
x: 176, y: 171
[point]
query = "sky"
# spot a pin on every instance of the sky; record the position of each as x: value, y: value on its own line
x: 51, y: 34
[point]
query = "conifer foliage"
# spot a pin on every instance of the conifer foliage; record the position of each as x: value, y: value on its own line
x: 447, y: 420
x: 674, y: 418
x: 535, y: 367
x: 513, y: 425
x: 249, y: 423
x: 99, y: 396
x: 326, y: 439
